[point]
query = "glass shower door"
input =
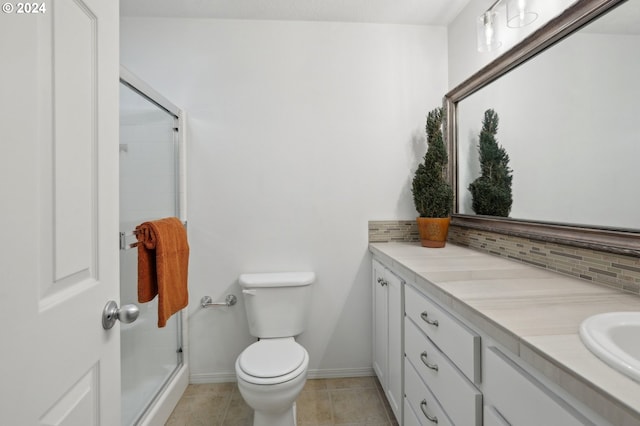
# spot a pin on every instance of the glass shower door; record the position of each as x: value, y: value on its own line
x: 150, y: 356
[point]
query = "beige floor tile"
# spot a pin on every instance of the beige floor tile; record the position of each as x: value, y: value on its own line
x: 315, y: 384
x: 205, y: 409
x: 238, y: 412
x: 323, y: 402
x: 314, y: 408
x: 359, y: 406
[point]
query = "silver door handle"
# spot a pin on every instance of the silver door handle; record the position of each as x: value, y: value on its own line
x: 424, y: 358
x: 423, y: 407
x: 111, y: 313
x: 425, y: 318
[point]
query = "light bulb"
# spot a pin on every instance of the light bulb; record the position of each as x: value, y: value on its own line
x: 519, y: 14
x: 487, y: 34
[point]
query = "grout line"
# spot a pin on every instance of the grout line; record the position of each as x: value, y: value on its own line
x: 333, y: 418
x: 226, y: 406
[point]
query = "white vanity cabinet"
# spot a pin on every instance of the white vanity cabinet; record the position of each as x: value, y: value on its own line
x: 437, y: 368
x: 445, y: 354
x: 388, y: 313
x: 423, y: 407
x: 514, y: 397
x: 460, y: 343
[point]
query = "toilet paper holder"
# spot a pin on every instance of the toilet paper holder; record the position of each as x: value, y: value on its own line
x: 207, y: 301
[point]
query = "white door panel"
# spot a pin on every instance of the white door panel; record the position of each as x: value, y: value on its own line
x: 58, y: 185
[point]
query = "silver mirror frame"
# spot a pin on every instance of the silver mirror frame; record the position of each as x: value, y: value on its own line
x: 618, y: 241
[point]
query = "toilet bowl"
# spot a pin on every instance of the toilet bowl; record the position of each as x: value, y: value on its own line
x: 271, y: 374
x: 272, y: 371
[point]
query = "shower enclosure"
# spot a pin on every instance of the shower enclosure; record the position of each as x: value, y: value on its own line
x: 151, y: 357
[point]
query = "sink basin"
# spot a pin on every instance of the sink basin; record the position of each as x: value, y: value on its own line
x: 614, y: 337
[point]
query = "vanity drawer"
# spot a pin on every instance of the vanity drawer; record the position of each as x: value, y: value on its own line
x: 460, y: 399
x: 410, y: 417
x: 521, y: 399
x: 454, y: 339
x: 421, y: 400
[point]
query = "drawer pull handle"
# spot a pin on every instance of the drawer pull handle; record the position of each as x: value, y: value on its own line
x: 423, y: 357
x: 423, y: 407
x: 425, y: 318
x: 382, y: 282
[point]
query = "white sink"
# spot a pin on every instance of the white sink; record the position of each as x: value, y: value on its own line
x: 614, y: 337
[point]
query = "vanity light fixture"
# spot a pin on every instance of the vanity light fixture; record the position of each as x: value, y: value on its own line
x: 519, y: 14
x: 487, y: 31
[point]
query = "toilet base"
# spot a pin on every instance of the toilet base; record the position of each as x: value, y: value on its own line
x: 286, y: 418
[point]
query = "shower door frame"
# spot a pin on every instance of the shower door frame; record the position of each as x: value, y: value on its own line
x: 161, y: 405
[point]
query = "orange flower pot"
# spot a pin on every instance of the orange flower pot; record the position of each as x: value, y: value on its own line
x: 433, y: 231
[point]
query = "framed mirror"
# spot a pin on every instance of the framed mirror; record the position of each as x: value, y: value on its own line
x: 568, y: 100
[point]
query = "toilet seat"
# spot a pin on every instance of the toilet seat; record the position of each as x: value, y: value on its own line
x: 272, y: 361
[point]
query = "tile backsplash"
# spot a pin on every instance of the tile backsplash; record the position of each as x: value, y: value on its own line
x: 613, y: 270
x: 385, y: 231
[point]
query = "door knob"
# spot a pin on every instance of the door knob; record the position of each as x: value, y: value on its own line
x: 111, y: 313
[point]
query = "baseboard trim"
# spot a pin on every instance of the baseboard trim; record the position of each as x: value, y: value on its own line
x: 327, y: 373
x: 199, y: 378
x: 337, y: 373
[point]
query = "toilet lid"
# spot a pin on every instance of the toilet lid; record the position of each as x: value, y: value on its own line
x: 271, y: 357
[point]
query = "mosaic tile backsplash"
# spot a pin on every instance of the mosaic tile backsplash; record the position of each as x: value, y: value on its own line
x: 385, y: 231
x: 619, y: 271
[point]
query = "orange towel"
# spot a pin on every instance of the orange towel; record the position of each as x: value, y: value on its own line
x: 163, y: 263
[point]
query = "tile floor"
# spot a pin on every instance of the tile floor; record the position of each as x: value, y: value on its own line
x: 346, y: 402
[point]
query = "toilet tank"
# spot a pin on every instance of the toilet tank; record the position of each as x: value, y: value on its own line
x: 277, y: 303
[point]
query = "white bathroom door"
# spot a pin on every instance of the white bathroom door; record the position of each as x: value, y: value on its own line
x: 59, y: 212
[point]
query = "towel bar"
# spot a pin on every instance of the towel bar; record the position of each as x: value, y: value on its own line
x: 207, y: 301
x: 123, y: 239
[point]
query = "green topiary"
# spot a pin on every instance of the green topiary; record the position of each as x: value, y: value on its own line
x: 491, y: 192
x: 432, y: 195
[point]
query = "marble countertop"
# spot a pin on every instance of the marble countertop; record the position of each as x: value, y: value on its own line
x: 535, y: 313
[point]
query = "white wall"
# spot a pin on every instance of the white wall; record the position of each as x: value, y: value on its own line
x: 299, y: 134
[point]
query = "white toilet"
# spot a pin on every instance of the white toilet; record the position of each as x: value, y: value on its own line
x: 272, y: 372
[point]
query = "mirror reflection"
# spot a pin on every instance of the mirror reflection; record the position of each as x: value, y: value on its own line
x: 568, y: 120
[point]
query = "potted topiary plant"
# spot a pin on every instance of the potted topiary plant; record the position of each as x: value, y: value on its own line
x: 432, y: 194
x: 491, y: 191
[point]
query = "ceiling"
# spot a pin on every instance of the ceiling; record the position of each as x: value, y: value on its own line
x: 415, y: 12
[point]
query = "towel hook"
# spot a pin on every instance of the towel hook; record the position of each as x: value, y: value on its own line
x: 207, y: 301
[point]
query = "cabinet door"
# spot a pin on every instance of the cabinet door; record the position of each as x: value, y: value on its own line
x: 493, y: 418
x: 521, y: 399
x: 394, y: 359
x: 380, y: 323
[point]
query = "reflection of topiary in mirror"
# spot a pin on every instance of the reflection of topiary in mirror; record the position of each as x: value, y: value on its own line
x: 491, y: 192
x: 432, y: 194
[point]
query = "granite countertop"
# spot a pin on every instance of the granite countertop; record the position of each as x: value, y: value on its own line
x: 535, y: 313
